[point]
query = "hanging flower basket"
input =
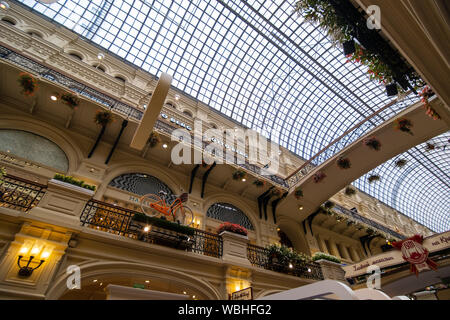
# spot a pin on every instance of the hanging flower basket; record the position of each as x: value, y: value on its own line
x: 154, y: 139
x: 259, y: 183
x: 276, y: 192
x: 429, y: 147
x: 70, y: 100
x: 319, y: 176
x: 401, y: 163
x: 329, y: 205
x: 232, y: 227
x: 239, y: 175
x: 343, y: 163
x: 349, y: 191
x: 298, y: 193
x: 404, y: 125
x: 426, y: 94
x: 374, y: 178
x: 373, y: 143
x: 103, y: 117
x: 28, y: 84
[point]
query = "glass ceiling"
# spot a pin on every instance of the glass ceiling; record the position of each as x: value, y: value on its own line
x: 254, y: 61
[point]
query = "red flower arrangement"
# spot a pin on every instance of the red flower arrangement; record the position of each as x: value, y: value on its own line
x: 28, y: 84
x: 319, y: 176
x: 404, y: 125
x: 372, y: 143
x: 343, y: 163
x: 232, y: 227
x: 426, y: 94
x: 70, y: 100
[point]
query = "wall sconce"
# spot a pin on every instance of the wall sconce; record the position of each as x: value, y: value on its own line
x: 32, y: 251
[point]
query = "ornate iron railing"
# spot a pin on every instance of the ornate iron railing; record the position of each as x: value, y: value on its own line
x: 114, y: 219
x: 260, y: 257
x: 356, y: 216
x: 20, y: 194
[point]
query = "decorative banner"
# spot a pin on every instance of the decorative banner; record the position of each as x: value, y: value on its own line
x: 244, y: 294
x: 414, y: 253
x: 432, y: 244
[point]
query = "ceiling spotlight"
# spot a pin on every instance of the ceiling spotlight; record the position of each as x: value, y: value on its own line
x: 184, y: 292
x: 309, y: 269
x: 54, y: 97
x: 290, y: 266
x: 147, y: 281
x: 94, y: 280
x: 100, y: 56
x: 243, y: 180
x: 278, y: 229
x: 145, y: 106
x: 177, y: 97
x: 164, y: 146
x: 300, y: 208
x: 147, y: 229
x: 4, y: 5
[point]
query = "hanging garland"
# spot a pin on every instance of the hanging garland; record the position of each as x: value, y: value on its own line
x: 239, y: 175
x: 373, y: 143
x: 426, y: 94
x: 259, y: 183
x: 349, y: 191
x: 319, y: 176
x: 298, y: 193
x: 70, y: 100
x: 344, y: 163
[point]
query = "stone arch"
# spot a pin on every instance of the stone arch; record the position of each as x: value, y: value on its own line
x: 133, y: 167
x: 38, y: 33
x: 294, y: 231
x: 57, y: 136
x: 93, y: 269
x: 249, y: 211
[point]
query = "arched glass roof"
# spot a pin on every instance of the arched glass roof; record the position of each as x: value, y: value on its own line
x: 420, y: 188
x: 256, y: 62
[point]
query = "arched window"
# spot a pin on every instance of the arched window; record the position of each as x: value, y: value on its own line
x: 32, y: 147
x: 9, y: 20
x: 188, y: 113
x: 140, y: 184
x: 228, y: 213
x: 76, y: 56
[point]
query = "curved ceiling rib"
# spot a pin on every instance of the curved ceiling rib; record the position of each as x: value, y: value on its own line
x: 257, y: 62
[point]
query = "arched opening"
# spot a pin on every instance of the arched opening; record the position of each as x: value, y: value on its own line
x: 227, y: 212
x: 121, y: 79
x: 140, y: 184
x: 99, y: 67
x: 9, y: 20
x: 34, y: 148
x: 188, y: 113
x: 35, y: 34
x: 76, y: 56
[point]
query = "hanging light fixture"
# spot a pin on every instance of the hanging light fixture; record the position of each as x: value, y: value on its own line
x: 4, y: 5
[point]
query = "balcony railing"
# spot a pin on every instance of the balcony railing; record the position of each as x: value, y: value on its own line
x: 20, y: 194
x: 260, y: 257
x: 113, y: 219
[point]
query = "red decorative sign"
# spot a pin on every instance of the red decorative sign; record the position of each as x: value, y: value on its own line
x: 414, y: 253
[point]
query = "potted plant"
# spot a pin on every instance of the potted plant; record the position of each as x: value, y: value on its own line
x: 404, y: 125
x: 329, y: 205
x: 73, y: 181
x: 319, y: 176
x: 373, y: 143
x: 28, y: 84
x: 400, y: 163
x: 70, y: 100
x: 154, y: 139
x: 374, y: 178
x: 232, y: 227
x: 239, y: 175
x: 103, y: 117
x: 325, y: 256
x: 298, y: 193
x: 259, y: 183
x: 349, y: 191
x: 343, y: 163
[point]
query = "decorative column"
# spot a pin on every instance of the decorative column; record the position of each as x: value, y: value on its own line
x: 322, y: 244
x: 334, y: 249
x: 62, y: 203
x: 346, y: 253
x: 355, y: 254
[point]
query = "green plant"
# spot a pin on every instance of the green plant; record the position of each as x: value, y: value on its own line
x: 298, y: 193
x: 325, y: 256
x: 103, y: 117
x: 284, y: 255
x: 70, y: 100
x: 72, y: 180
x: 372, y: 143
x: 239, y: 175
x: 343, y: 163
x: 164, y: 224
x: 404, y: 125
x: 259, y: 183
x: 28, y: 84
x: 349, y: 191
x: 319, y: 176
x: 401, y: 163
x: 329, y: 205
x: 154, y: 139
